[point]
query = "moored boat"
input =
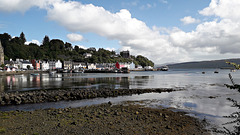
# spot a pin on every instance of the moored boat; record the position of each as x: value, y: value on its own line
x: 163, y: 68
x: 52, y: 72
x: 76, y: 71
x: 35, y: 74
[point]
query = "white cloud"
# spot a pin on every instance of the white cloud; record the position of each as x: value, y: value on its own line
x: 189, y: 20
x: 148, y: 6
x: 74, y: 37
x: 133, y: 3
x: 211, y: 39
x: 82, y: 46
x: 24, y: 5
x: 164, y: 1
x: 110, y: 49
x: 33, y: 41
x: 225, y: 9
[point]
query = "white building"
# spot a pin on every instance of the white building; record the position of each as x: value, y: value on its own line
x: 58, y: 64
x: 45, y: 66
x: 139, y: 67
x: 55, y: 64
x: 79, y: 65
x: 132, y: 66
x: 148, y: 67
x: 125, y: 65
x: 26, y: 64
x: 91, y: 66
x: 87, y: 55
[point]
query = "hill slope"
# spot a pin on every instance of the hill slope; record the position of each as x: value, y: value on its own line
x: 206, y: 64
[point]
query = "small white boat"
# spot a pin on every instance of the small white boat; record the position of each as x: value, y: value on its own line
x: 75, y: 71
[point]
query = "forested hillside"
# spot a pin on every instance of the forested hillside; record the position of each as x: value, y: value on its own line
x: 56, y: 49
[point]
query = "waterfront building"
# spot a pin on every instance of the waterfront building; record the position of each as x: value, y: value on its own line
x: 124, y: 65
x: 100, y: 66
x: 26, y: 64
x: 52, y: 65
x: 132, y: 66
x: 18, y: 63
x: 148, y: 67
x: 55, y: 65
x: 91, y: 66
x: 1, y: 54
x: 58, y: 64
x: 45, y: 65
x: 36, y: 64
x: 79, y: 65
x: 67, y: 65
x: 139, y: 67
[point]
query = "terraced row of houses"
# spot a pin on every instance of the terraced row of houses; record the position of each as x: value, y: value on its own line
x: 20, y: 64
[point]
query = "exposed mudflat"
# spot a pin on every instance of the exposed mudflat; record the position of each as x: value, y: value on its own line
x: 111, y: 119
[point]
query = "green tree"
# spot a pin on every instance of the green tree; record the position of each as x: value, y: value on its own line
x: 5, y: 38
x: 22, y: 38
x: 143, y: 61
x: 76, y: 48
x: 2, y: 66
x: 46, y: 41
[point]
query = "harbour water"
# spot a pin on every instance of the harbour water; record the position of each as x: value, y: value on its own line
x: 204, y: 95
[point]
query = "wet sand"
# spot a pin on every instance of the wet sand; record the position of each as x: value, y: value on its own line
x: 124, y: 118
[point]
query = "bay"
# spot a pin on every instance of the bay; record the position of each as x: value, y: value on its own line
x: 204, y: 95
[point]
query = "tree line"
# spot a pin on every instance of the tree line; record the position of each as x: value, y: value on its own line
x: 56, y: 49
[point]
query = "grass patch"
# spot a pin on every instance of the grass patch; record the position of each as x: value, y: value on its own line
x: 2, y: 130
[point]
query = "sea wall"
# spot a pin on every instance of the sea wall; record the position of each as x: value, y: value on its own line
x: 21, y: 72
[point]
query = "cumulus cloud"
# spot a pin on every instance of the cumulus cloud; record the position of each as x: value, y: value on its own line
x: 225, y: 9
x: 74, y: 37
x: 24, y: 5
x: 189, y: 20
x: 211, y: 39
x: 33, y: 41
x: 131, y: 32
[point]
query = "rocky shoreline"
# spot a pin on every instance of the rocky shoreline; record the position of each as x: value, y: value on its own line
x: 125, y: 118
x: 27, y: 97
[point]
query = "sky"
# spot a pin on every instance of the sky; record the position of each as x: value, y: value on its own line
x: 165, y: 31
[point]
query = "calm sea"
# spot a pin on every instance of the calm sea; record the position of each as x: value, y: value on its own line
x: 204, y: 95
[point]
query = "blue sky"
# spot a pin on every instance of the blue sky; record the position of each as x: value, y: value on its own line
x: 165, y: 31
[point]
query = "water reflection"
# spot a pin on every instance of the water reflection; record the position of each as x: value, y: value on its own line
x: 49, y: 81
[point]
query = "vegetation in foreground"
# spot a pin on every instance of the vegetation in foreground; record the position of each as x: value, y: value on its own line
x: 235, y: 115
